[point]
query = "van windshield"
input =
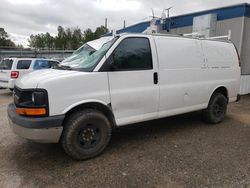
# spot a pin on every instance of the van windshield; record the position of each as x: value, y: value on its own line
x: 87, y: 60
x: 80, y: 53
x: 6, y: 64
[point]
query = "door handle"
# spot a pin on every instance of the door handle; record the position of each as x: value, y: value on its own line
x: 155, y: 78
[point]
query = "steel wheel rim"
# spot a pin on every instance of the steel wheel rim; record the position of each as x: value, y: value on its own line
x: 88, y: 136
x: 218, y: 109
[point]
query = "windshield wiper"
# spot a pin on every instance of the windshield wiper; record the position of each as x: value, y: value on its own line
x: 63, y: 67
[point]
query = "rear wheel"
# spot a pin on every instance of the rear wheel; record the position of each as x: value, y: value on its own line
x: 216, y: 110
x: 86, y: 134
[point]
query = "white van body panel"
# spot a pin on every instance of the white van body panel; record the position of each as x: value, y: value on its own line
x: 67, y: 89
x: 129, y: 93
x: 222, y: 66
x: 181, y: 86
x: 32, y: 79
x: 190, y: 70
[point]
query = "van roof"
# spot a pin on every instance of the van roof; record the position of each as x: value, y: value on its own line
x: 174, y: 35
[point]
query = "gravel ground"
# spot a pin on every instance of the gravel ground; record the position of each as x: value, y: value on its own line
x: 180, y: 151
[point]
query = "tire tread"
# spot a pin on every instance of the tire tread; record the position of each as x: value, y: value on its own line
x: 70, y: 124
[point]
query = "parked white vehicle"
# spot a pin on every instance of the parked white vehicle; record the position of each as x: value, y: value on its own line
x: 13, y: 68
x: 131, y: 78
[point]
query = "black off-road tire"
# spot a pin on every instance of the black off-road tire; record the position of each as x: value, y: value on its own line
x: 216, y: 110
x: 75, y: 145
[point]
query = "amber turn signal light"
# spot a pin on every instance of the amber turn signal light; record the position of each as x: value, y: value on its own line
x: 31, y: 111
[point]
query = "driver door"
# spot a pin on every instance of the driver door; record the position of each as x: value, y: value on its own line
x: 133, y: 81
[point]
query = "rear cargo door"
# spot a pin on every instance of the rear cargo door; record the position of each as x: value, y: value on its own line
x: 180, y: 75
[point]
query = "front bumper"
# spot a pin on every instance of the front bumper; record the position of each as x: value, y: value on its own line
x: 38, y: 129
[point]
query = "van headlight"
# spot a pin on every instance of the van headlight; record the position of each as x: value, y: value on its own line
x: 38, y: 98
x: 31, y: 102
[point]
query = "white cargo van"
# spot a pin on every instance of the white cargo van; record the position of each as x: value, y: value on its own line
x: 131, y: 78
x: 13, y: 68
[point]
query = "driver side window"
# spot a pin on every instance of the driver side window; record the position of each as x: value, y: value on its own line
x: 132, y: 54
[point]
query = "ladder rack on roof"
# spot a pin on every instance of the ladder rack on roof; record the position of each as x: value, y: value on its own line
x: 195, y: 35
x: 198, y: 35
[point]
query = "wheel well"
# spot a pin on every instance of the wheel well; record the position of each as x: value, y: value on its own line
x: 222, y: 90
x: 105, y: 109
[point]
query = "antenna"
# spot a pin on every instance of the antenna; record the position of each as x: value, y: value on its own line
x: 106, y: 23
x: 153, y: 14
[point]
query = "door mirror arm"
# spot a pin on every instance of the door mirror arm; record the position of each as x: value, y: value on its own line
x: 111, y: 63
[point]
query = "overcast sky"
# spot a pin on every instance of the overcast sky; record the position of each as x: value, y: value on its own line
x: 21, y: 18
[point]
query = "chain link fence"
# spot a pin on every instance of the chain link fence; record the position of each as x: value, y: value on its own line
x: 49, y: 54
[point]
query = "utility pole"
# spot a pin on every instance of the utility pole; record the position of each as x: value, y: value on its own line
x: 106, y: 23
x: 169, y: 23
x: 124, y: 24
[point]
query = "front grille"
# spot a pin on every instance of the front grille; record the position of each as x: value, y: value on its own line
x: 16, y: 95
x: 17, y: 92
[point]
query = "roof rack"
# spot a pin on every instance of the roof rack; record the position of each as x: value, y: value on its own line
x: 198, y: 35
x: 228, y: 37
x: 195, y: 35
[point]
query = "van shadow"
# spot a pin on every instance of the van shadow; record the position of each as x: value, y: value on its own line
x: 147, y: 131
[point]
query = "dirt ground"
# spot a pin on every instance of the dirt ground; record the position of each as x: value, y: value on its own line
x: 180, y: 151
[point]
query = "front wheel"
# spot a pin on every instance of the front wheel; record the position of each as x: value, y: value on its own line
x: 216, y: 110
x: 86, y: 134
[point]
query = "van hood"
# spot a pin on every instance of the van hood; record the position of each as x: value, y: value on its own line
x: 32, y: 80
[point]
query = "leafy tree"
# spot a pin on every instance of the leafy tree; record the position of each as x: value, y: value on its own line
x: 49, y: 41
x: 88, y: 35
x: 77, y: 38
x: 4, y: 39
x: 3, y: 34
x: 32, y: 41
x: 67, y: 38
x: 60, y: 40
x: 101, y: 31
x: 20, y: 46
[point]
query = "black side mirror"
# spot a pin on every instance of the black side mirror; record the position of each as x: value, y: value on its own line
x: 111, y: 63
